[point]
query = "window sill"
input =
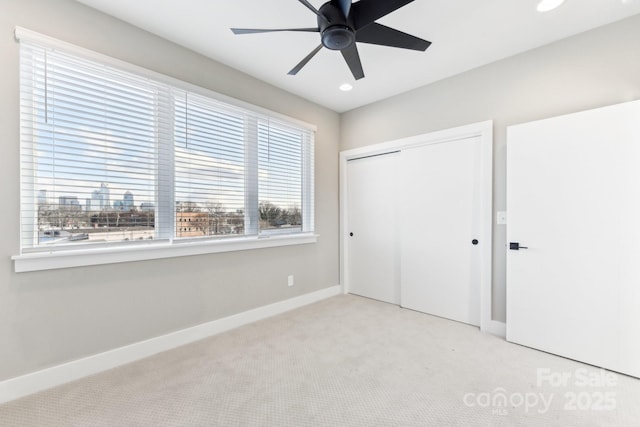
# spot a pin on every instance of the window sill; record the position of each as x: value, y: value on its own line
x: 79, y: 257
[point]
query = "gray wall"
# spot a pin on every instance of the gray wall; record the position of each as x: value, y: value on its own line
x: 51, y: 317
x: 593, y: 69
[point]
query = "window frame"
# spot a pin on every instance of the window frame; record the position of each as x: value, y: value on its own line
x: 64, y: 256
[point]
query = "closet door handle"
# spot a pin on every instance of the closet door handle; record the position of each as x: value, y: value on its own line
x: 515, y: 246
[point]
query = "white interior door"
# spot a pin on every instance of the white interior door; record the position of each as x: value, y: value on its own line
x: 573, y: 199
x: 372, y: 248
x: 440, y: 218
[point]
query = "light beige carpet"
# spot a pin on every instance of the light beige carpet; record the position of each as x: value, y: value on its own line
x: 346, y: 361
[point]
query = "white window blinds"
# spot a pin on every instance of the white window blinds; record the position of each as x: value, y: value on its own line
x: 281, y: 151
x: 113, y: 157
x: 89, y: 151
x: 210, y: 168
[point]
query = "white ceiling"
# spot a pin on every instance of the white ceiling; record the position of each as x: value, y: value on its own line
x: 465, y: 34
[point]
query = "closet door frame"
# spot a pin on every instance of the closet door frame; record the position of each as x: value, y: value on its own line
x: 483, y: 130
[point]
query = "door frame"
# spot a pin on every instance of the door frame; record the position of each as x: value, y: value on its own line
x: 482, y: 130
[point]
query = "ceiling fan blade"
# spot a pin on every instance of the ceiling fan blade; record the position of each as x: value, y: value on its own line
x: 382, y: 35
x: 350, y: 55
x: 345, y: 6
x: 256, y: 30
x: 306, y: 59
x: 314, y: 10
x: 367, y: 11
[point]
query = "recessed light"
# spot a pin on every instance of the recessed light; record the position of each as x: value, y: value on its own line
x: 345, y: 87
x: 547, y: 5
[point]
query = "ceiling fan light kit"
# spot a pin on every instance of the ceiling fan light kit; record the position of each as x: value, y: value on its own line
x: 342, y: 23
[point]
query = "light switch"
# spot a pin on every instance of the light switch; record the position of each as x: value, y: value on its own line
x: 501, y: 217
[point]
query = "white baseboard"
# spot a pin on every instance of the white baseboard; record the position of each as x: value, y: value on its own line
x: 24, y: 385
x: 496, y: 328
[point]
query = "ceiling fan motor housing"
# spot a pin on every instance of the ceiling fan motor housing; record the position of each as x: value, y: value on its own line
x: 338, y: 37
x: 336, y: 33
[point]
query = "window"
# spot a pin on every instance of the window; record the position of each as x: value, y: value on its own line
x: 211, y: 167
x: 89, y: 162
x: 115, y: 158
x: 281, y: 184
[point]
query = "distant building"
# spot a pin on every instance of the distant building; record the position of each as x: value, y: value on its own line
x: 105, y: 197
x: 93, y: 204
x: 192, y: 224
x: 42, y: 197
x: 100, y: 199
x: 126, y: 204
x: 147, y: 207
x: 128, y: 201
x: 69, y: 202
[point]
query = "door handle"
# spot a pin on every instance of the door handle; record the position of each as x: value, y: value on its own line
x: 515, y: 246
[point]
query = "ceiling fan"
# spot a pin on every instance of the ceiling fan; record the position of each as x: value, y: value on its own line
x: 342, y: 23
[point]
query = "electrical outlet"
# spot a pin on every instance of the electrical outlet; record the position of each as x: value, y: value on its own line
x: 290, y: 280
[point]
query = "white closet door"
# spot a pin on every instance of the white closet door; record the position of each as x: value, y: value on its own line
x: 372, y: 248
x: 440, y: 222
x: 573, y: 200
